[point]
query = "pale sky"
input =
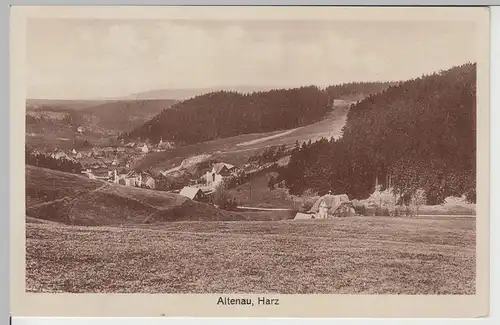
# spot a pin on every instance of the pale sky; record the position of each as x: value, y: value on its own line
x: 85, y: 59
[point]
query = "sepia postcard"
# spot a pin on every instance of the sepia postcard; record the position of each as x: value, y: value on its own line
x: 250, y: 161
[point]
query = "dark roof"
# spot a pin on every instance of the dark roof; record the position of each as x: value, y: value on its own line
x: 331, y: 201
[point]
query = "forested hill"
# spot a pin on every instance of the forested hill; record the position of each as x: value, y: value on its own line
x: 421, y: 132
x: 225, y: 113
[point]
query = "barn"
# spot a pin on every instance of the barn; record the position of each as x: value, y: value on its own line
x: 330, y: 206
x: 194, y: 194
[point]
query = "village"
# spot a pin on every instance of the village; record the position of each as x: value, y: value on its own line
x: 115, y: 164
x: 302, y: 157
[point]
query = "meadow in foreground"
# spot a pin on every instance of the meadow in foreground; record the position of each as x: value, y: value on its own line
x: 365, y: 255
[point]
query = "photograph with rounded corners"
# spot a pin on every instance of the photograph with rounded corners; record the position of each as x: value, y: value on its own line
x: 250, y: 161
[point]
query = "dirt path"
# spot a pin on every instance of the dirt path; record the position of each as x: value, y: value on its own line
x: 248, y: 143
x: 263, y: 209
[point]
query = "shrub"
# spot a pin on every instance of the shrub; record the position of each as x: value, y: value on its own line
x: 222, y: 199
x: 307, y: 204
x: 381, y: 211
x: 403, y: 211
x: 271, y: 183
x: 360, y: 209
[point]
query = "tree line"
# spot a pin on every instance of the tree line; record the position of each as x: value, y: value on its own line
x: 419, y: 134
x: 70, y: 118
x: 270, y: 154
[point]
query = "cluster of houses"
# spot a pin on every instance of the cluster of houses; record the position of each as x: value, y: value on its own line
x: 99, y: 159
x: 112, y: 155
x: 123, y: 177
x: 112, y: 163
x: 144, y: 148
x: 212, y: 179
x: 199, y: 192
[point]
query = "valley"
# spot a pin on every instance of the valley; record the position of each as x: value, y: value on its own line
x: 314, y: 195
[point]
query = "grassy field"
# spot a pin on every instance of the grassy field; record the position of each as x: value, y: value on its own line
x: 359, y: 255
x: 45, y: 185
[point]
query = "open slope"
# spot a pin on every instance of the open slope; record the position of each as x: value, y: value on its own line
x: 360, y: 255
x: 238, y: 149
x: 125, y: 115
x: 73, y: 199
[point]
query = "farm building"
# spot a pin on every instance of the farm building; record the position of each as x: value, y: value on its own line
x: 195, y: 194
x: 80, y: 129
x: 329, y: 206
x: 145, y: 148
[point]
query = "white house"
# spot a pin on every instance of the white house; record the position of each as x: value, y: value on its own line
x: 219, y: 171
x: 129, y: 179
x: 145, y: 148
x: 59, y: 155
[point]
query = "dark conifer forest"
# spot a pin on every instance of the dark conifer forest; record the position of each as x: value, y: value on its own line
x: 418, y: 134
x: 224, y: 114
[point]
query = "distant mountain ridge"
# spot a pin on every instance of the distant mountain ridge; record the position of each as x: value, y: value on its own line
x: 112, y: 115
x: 186, y: 93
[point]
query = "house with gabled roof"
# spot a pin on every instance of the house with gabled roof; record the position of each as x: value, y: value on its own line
x: 329, y: 206
x: 131, y: 178
x: 220, y: 171
x: 194, y: 193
